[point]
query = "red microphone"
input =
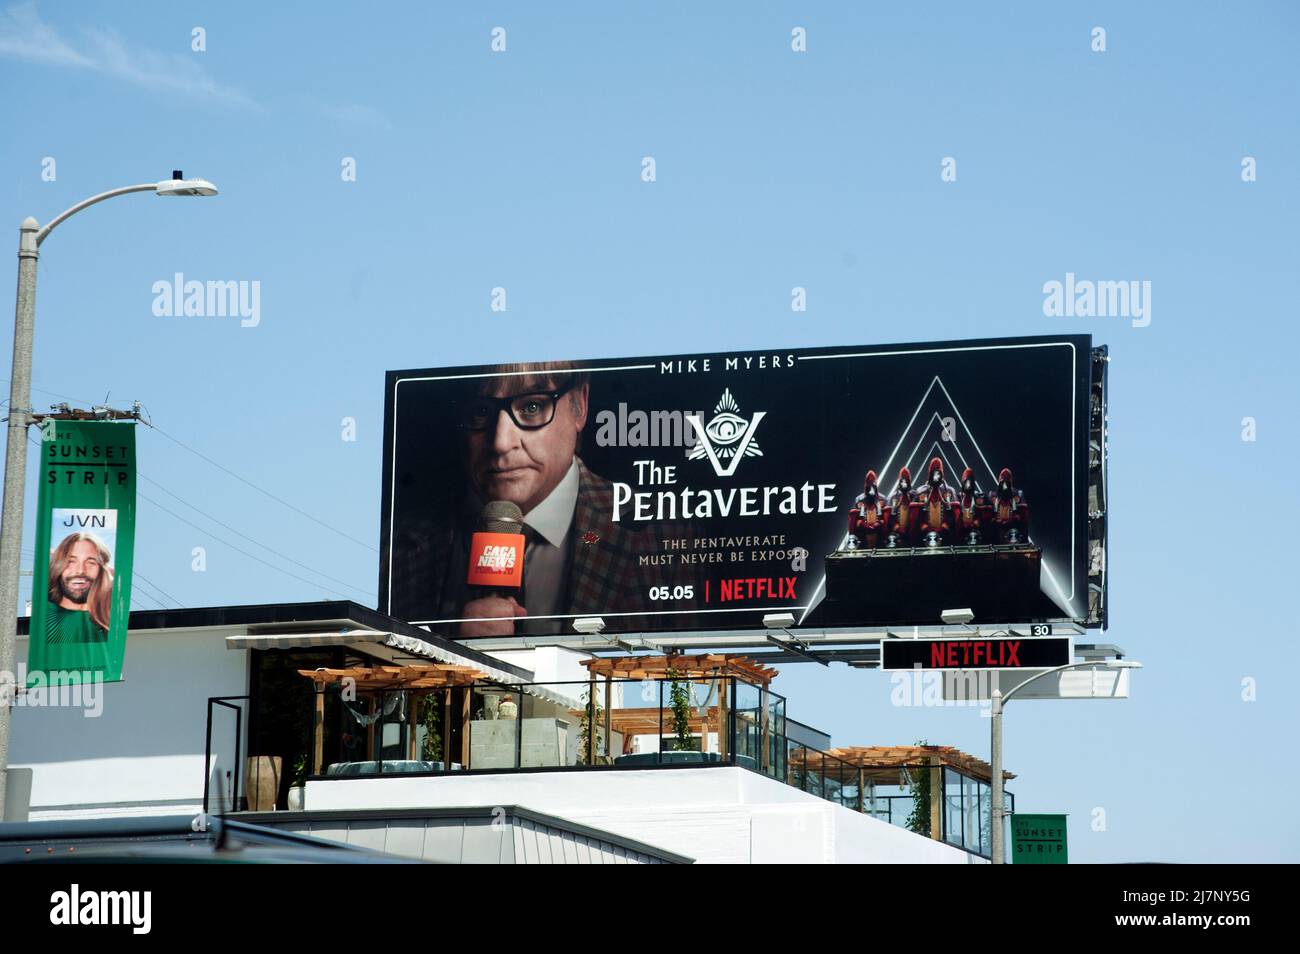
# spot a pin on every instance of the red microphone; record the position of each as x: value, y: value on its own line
x: 496, y: 553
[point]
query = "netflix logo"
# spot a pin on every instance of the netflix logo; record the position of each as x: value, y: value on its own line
x: 1030, y: 652
x: 750, y: 588
x: 975, y: 654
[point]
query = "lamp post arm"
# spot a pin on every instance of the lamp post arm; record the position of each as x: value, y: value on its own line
x: 86, y: 203
x: 1047, y: 672
x: 998, y: 812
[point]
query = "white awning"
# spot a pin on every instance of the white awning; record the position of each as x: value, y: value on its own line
x: 302, y: 640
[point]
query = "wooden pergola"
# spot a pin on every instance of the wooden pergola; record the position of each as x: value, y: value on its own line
x: 429, y: 677
x: 704, y: 666
x: 894, y: 757
x: 632, y: 721
x: 884, y: 763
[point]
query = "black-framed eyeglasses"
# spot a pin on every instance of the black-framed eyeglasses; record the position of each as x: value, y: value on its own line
x: 530, y: 411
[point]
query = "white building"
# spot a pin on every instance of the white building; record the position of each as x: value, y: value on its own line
x: 532, y: 776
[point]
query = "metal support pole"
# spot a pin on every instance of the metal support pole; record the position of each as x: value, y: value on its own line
x: 609, y: 719
x: 11, y: 517
x: 999, y: 849
x: 998, y: 702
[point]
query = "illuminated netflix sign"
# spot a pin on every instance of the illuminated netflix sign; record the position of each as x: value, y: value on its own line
x: 1043, y: 652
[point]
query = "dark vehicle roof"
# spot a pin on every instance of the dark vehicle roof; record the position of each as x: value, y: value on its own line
x: 172, y: 839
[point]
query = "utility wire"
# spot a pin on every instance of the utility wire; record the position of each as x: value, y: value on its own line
x: 279, y: 500
x: 245, y: 536
x: 227, y: 526
x: 251, y: 556
x: 140, y: 576
x: 136, y: 576
x: 143, y: 595
x: 243, y: 480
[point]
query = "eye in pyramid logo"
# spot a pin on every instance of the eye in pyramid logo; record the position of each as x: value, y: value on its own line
x: 727, y: 437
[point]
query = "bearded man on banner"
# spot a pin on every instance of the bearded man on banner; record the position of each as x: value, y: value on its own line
x: 80, y: 590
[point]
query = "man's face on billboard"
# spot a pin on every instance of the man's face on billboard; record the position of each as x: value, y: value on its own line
x: 522, y: 465
x: 80, y: 573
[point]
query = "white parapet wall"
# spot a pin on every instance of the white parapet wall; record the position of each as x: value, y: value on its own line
x: 724, y: 815
x: 139, y: 749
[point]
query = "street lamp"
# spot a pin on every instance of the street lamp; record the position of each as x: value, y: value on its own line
x: 999, y: 700
x: 30, y: 236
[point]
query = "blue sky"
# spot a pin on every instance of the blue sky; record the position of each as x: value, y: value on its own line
x: 774, y: 169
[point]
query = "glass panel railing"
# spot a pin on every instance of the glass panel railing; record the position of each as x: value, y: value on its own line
x: 952, y: 808
x: 629, y: 724
x: 707, y: 702
x: 796, y: 762
x: 685, y: 728
x: 641, y: 718
x: 748, y: 719
x: 842, y: 779
x: 984, y: 795
x: 551, y: 719
x: 588, y: 706
x: 377, y: 732
x: 970, y: 814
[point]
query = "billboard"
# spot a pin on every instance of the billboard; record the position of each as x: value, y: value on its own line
x: 850, y: 487
x: 85, y: 528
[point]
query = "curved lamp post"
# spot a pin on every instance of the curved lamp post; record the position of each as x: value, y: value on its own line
x: 999, y: 700
x: 30, y: 236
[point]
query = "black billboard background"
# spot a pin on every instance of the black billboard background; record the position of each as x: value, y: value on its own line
x: 831, y: 415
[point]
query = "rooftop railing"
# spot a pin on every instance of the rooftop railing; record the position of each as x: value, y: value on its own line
x: 606, y: 724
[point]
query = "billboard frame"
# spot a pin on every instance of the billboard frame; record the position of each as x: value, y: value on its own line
x: 1078, y: 547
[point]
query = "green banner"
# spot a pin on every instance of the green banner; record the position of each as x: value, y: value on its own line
x: 85, y: 541
x: 1038, y: 840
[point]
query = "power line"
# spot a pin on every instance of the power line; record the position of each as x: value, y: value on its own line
x: 137, y: 591
x: 251, y: 556
x: 241, y: 479
x: 245, y: 536
x: 136, y: 575
x: 64, y: 396
x: 140, y: 576
x: 227, y: 526
x: 279, y: 500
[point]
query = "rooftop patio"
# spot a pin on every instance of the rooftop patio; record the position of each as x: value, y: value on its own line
x: 632, y: 712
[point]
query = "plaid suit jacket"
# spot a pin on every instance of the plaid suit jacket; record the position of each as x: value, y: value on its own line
x: 610, y: 565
